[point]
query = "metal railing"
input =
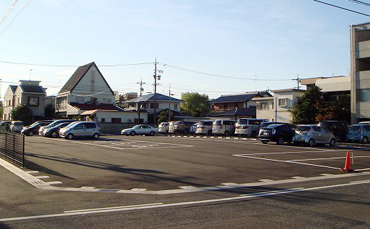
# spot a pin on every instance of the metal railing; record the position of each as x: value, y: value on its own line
x: 12, y: 147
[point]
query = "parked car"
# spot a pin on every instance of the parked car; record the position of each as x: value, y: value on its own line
x: 278, y: 133
x: 163, y: 127
x: 359, y: 133
x: 54, y: 123
x: 54, y: 131
x: 141, y: 129
x: 204, y: 127
x: 171, y: 127
x: 248, y: 127
x: 180, y: 127
x: 264, y: 124
x: 313, y: 134
x: 5, y: 125
x: 35, y: 127
x: 16, y: 126
x: 80, y: 129
x: 223, y: 127
x: 339, y: 129
x: 193, y: 128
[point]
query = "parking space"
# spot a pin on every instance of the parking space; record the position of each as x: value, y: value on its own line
x: 154, y: 163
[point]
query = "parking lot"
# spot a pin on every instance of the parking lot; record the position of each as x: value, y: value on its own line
x: 162, y: 163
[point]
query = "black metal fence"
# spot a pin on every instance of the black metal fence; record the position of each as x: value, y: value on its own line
x: 12, y: 147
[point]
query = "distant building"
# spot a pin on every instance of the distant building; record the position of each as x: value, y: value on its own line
x: 27, y: 92
x: 236, y: 106
x: 146, y: 102
x: 277, y: 108
x: 87, y: 95
x: 360, y: 72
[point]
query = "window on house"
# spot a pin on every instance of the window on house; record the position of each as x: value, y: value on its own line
x: 102, y: 120
x: 264, y: 106
x: 80, y: 99
x: 363, y: 95
x: 152, y: 106
x: 116, y: 120
x: 175, y: 106
x: 283, y: 102
x: 33, y: 101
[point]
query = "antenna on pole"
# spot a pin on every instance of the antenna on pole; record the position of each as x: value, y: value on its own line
x: 298, y: 81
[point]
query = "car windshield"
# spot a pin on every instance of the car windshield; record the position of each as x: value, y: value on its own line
x: 218, y: 123
x: 303, y: 128
x: 243, y: 121
x: 354, y: 128
x: 71, y: 124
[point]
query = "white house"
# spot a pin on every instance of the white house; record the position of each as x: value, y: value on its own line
x: 277, y: 108
x: 27, y: 92
x: 147, y: 102
x: 87, y: 95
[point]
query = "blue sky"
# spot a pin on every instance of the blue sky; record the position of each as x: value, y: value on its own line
x: 264, y: 44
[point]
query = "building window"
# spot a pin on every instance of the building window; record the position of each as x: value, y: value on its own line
x: 264, y: 106
x: 282, y: 102
x: 116, y: 120
x: 80, y: 99
x: 152, y: 106
x: 102, y: 120
x: 33, y: 101
x: 175, y: 106
x: 363, y: 95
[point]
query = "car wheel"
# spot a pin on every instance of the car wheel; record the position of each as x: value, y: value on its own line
x: 264, y: 141
x: 186, y: 131
x: 132, y: 133
x: 365, y: 140
x: 70, y: 136
x: 254, y: 134
x: 54, y: 134
x: 30, y: 133
x: 332, y: 142
x: 311, y: 142
x: 209, y: 133
x: 96, y: 136
x: 280, y: 141
x: 227, y: 133
x: 152, y: 133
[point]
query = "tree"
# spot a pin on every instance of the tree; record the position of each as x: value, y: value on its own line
x: 163, y: 116
x: 50, y: 111
x: 307, y: 108
x: 22, y: 113
x: 335, y: 110
x: 195, y: 104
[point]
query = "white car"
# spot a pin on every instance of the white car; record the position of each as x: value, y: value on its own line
x: 313, y: 134
x: 163, y: 127
x: 141, y: 129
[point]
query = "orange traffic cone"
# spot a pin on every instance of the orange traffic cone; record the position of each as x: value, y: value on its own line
x: 348, y: 164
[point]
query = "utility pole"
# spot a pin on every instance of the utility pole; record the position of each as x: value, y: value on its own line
x: 140, y: 93
x: 298, y: 81
x: 169, y: 103
x: 155, y: 90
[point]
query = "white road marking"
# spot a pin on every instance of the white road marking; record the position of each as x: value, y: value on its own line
x: 297, y: 177
x: 42, y: 177
x: 179, y: 204
x: 32, y: 172
x: 283, y: 161
x: 54, y: 182
x: 326, y: 158
x: 265, y: 180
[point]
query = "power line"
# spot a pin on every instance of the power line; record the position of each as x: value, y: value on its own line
x: 222, y: 76
x: 360, y: 2
x: 342, y: 8
x: 15, y: 17
x: 8, y: 13
x: 74, y: 66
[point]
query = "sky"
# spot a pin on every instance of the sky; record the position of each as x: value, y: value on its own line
x: 214, y: 47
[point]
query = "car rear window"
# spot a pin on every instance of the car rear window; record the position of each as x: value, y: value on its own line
x: 243, y: 121
x: 177, y: 123
x: 303, y: 128
x: 354, y: 128
x: 90, y: 125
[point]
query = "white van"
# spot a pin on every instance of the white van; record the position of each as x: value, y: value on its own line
x: 248, y: 127
x: 223, y: 127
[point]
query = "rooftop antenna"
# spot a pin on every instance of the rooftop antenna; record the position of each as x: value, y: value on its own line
x: 30, y: 73
x: 298, y: 81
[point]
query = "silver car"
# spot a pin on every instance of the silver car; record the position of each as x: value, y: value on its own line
x: 141, y: 129
x: 163, y: 127
x: 16, y: 126
x: 313, y: 134
x: 80, y: 129
x: 204, y: 127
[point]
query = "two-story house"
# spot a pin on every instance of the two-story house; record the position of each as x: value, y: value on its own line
x: 146, y: 102
x: 27, y: 92
x: 277, y: 108
x: 237, y: 106
x: 87, y: 95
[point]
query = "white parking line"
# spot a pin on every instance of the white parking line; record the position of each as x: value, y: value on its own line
x: 326, y: 158
x: 284, y: 161
x: 179, y: 204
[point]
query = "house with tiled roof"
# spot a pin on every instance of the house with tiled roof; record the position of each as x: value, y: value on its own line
x: 27, y: 92
x: 236, y: 106
x: 147, y: 102
x: 87, y: 95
